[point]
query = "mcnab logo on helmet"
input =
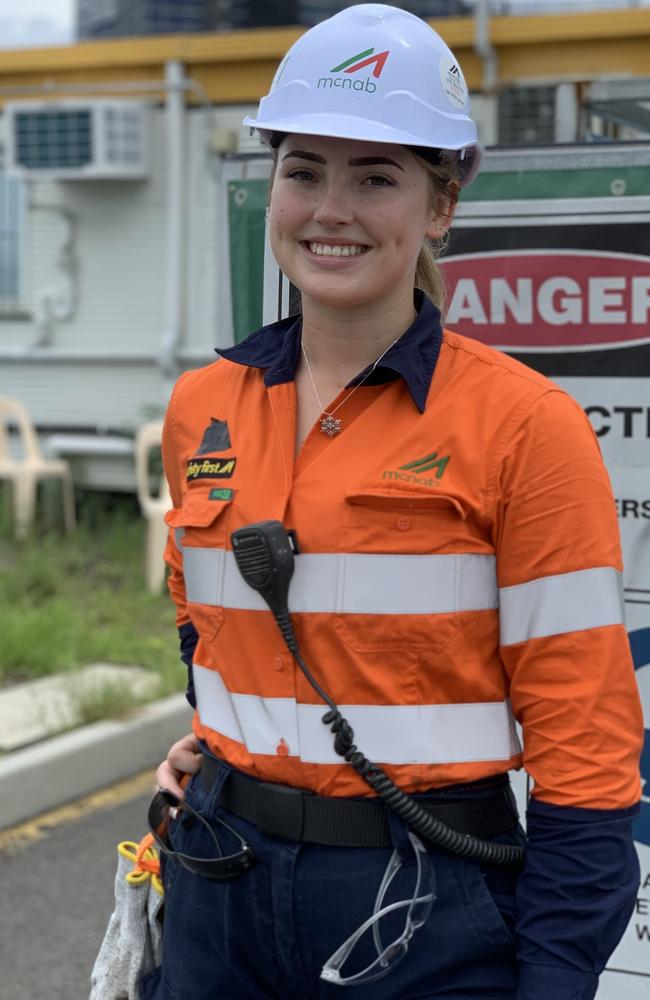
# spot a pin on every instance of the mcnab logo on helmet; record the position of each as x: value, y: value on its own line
x: 353, y: 65
x: 550, y: 300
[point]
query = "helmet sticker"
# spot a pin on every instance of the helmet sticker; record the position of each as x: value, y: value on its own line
x: 363, y: 59
x: 453, y: 82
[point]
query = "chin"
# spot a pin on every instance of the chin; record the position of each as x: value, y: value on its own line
x: 340, y: 301
x: 339, y: 297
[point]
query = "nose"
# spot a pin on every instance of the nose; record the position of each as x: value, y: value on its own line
x: 334, y: 205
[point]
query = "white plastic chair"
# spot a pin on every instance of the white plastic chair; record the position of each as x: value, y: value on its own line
x: 25, y: 472
x: 154, y: 507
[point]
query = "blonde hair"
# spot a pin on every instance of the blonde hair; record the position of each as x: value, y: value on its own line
x: 444, y: 188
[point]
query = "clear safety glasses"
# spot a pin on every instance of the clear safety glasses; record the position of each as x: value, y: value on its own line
x: 417, y: 908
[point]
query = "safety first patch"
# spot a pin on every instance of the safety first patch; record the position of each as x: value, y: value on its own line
x: 210, y: 468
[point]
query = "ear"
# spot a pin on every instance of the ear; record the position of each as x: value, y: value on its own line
x: 443, y: 213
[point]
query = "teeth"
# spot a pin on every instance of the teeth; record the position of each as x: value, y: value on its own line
x: 325, y: 250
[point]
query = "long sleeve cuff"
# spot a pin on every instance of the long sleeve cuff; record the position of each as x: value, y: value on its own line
x: 543, y: 982
x: 188, y: 639
x: 574, y: 898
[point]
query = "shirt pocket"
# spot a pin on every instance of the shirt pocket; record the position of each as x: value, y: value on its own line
x: 400, y: 570
x: 396, y: 521
x: 200, y: 527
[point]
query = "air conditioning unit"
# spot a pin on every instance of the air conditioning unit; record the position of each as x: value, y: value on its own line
x: 77, y: 140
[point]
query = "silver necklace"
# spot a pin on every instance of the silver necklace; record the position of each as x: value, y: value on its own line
x: 329, y: 424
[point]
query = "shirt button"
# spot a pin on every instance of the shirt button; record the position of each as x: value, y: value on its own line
x: 278, y: 662
x: 402, y: 524
x: 282, y: 749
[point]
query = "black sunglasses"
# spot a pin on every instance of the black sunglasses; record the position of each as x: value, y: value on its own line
x: 217, y: 869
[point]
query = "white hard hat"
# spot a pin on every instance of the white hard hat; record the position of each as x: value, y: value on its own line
x: 376, y: 73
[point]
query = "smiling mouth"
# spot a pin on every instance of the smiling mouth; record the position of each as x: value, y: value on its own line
x: 338, y: 250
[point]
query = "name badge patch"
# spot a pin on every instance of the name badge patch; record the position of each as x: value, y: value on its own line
x: 220, y: 494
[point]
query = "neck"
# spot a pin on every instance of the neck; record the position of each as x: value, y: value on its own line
x: 343, y: 343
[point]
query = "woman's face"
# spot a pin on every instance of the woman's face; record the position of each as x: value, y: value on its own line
x: 347, y: 219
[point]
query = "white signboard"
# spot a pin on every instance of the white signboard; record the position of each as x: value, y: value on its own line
x: 573, y: 301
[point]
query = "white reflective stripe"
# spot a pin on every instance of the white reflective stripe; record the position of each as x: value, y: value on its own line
x: 388, y: 734
x: 417, y: 585
x: 260, y: 723
x: 203, y: 572
x: 352, y: 583
x: 553, y: 605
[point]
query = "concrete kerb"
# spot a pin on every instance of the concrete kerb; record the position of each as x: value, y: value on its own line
x: 63, y: 768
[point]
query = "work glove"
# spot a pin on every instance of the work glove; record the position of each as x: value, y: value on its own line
x: 132, y: 944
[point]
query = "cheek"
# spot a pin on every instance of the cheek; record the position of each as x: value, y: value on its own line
x: 276, y: 210
x: 278, y: 201
x: 279, y: 244
x: 407, y: 239
x: 279, y: 222
x: 408, y: 222
x: 286, y: 221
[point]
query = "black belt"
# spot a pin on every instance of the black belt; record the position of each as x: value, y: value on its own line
x: 299, y: 815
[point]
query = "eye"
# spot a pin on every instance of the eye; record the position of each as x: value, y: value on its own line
x: 378, y: 180
x: 301, y: 175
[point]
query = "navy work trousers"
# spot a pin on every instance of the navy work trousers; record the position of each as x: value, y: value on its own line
x: 266, y: 935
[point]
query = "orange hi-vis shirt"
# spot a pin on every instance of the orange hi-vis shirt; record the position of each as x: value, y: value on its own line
x: 459, y: 568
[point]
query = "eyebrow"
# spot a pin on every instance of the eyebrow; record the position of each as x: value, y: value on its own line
x: 359, y: 161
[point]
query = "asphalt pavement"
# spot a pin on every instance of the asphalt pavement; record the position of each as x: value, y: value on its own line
x: 56, y: 895
x: 65, y: 804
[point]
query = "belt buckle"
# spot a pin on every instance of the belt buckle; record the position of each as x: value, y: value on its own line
x: 280, y: 810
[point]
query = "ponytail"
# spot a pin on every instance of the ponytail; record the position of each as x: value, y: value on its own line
x: 428, y: 274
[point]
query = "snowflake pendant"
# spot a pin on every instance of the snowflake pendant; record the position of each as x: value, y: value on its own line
x: 330, y: 425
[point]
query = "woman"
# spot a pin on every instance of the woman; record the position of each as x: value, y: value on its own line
x: 457, y: 566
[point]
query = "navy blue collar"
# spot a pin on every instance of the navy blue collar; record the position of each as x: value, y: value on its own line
x: 276, y: 348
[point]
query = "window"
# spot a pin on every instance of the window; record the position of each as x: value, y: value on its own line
x: 526, y: 116
x: 11, y: 241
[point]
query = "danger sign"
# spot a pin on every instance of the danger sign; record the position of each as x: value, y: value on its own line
x: 550, y: 299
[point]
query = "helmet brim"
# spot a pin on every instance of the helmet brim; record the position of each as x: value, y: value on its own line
x: 338, y: 126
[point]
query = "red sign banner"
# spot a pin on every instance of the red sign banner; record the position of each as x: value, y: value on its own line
x: 549, y: 300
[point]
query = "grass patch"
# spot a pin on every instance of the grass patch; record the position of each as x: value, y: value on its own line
x: 67, y: 601
x: 110, y: 701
